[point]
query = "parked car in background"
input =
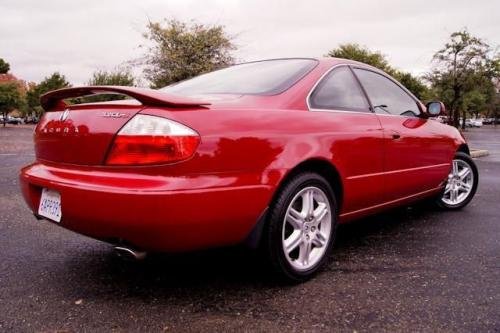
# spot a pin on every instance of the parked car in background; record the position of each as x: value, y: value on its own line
x: 478, y: 122
x: 31, y: 120
x: 14, y: 120
x: 442, y: 119
x: 272, y: 154
x: 473, y: 123
x: 491, y: 121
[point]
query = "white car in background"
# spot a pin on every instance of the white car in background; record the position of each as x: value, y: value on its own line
x: 474, y: 122
x: 442, y: 119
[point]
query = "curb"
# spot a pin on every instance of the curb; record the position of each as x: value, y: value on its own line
x: 475, y: 153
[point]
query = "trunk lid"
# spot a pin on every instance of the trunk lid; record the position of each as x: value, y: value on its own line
x: 81, y: 134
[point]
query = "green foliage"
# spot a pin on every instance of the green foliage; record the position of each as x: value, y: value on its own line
x: 494, y: 104
x: 412, y: 83
x: 10, y: 98
x: 53, y: 82
x: 474, y: 102
x: 378, y: 60
x: 463, y: 73
x: 362, y: 54
x: 4, y: 66
x: 117, y: 77
x: 180, y: 51
x: 33, y: 100
x: 112, y: 78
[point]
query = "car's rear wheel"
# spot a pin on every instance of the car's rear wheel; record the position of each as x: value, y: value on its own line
x: 461, y: 184
x: 301, y: 227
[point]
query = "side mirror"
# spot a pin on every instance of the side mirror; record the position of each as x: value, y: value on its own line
x: 435, y: 109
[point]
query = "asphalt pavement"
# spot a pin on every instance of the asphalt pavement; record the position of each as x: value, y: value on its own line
x: 410, y: 269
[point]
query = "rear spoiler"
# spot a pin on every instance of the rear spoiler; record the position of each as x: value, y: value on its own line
x: 55, y: 99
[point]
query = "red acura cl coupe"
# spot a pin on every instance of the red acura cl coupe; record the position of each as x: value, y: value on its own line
x: 273, y: 154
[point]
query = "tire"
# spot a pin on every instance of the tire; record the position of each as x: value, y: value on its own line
x: 309, y: 237
x: 461, y: 186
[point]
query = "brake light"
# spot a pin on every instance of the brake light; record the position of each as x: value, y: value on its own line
x: 149, y: 139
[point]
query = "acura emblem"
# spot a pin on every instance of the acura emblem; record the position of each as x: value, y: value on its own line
x: 65, y: 115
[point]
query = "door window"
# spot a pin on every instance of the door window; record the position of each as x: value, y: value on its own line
x: 339, y: 90
x: 386, y: 96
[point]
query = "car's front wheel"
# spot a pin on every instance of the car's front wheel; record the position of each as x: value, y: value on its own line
x: 301, y: 227
x: 461, y: 184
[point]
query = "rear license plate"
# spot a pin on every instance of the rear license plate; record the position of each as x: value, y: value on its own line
x: 50, y: 205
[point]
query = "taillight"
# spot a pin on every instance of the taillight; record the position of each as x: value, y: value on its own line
x: 149, y: 139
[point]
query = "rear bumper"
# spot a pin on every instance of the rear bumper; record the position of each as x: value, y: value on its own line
x: 150, y: 211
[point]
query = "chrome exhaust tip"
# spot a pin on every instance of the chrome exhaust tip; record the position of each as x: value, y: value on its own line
x: 129, y: 253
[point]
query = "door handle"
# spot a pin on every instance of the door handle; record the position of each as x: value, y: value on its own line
x: 396, y: 135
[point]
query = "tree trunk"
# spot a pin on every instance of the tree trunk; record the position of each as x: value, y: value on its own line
x: 464, y: 115
x: 456, y: 117
x: 454, y: 103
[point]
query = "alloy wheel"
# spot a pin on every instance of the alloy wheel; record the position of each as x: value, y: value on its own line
x: 307, y: 228
x: 460, y: 183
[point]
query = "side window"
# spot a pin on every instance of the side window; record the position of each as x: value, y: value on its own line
x: 386, y: 96
x: 339, y: 90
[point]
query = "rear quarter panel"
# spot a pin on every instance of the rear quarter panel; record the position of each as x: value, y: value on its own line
x: 268, y: 143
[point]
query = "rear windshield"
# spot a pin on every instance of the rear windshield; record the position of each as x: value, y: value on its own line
x: 268, y: 77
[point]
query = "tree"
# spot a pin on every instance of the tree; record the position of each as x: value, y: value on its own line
x: 10, y: 99
x: 52, y: 82
x: 4, y: 66
x: 412, y: 83
x: 362, y: 54
x: 180, y: 51
x: 33, y: 98
x: 474, y: 102
x: 377, y: 59
x: 117, y: 77
x: 464, y: 65
x: 494, y: 104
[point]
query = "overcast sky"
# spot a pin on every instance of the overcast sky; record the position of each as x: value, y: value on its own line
x: 77, y: 37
